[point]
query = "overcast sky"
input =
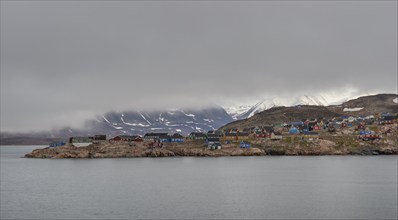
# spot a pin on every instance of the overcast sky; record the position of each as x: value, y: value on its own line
x: 63, y: 62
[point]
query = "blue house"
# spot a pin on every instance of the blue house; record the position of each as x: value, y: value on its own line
x: 164, y: 139
x: 57, y: 144
x: 293, y: 130
x: 244, y: 144
x: 178, y: 138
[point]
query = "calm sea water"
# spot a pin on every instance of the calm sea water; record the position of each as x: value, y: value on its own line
x: 323, y: 187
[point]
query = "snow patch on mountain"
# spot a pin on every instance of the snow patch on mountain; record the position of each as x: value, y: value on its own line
x: 234, y: 112
x: 247, y: 111
x: 105, y: 119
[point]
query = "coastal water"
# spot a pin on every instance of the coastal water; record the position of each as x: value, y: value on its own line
x: 271, y: 187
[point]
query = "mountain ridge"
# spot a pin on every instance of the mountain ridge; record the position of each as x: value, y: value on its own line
x: 362, y: 106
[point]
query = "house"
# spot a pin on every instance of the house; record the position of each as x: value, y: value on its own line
x: 153, y: 136
x: 197, y: 136
x: 296, y: 123
x: 244, y: 144
x: 247, y: 130
x: 242, y: 135
x: 177, y: 138
x: 165, y: 138
x: 233, y: 131
x: 386, y: 119
x: 260, y: 135
x: 275, y: 136
x: 311, y: 136
x: 230, y: 137
x: 211, y: 140
x: 214, y: 146
x: 81, y: 141
x: 268, y: 129
x: 219, y: 133
x: 127, y: 138
x: 100, y: 137
x: 57, y: 144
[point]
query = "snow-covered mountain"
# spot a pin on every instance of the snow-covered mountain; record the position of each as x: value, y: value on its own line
x: 182, y: 121
x: 246, y: 111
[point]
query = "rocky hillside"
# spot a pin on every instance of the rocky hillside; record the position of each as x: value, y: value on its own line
x: 362, y: 106
x: 368, y: 105
x: 280, y: 115
x: 246, y: 111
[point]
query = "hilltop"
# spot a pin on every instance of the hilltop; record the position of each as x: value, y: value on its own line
x: 362, y: 106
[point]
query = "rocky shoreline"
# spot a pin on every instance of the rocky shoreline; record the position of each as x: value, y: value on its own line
x: 199, y: 149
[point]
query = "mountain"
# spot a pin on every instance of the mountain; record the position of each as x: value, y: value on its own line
x: 362, y: 106
x: 183, y: 121
x: 247, y: 111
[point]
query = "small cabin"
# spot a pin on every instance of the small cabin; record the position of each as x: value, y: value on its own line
x: 197, y: 136
x: 81, y: 141
x: 214, y: 146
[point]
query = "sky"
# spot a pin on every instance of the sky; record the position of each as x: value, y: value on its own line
x: 64, y: 62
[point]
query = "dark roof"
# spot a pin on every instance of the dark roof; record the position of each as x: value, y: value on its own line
x: 230, y: 134
x: 242, y: 134
x: 268, y: 128
x: 176, y: 135
x: 312, y: 123
x: 214, y: 139
x: 212, y: 135
x: 154, y: 134
x: 128, y: 136
x: 197, y: 134
x: 164, y: 136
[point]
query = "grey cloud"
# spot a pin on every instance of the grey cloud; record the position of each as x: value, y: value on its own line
x: 64, y: 61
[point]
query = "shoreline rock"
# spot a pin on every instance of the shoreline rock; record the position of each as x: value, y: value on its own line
x: 197, y: 149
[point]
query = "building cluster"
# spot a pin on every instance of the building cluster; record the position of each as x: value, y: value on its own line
x: 309, y: 129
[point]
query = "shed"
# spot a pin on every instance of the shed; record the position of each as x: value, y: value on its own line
x: 214, y: 146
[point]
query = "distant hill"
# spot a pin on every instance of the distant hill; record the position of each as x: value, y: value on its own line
x: 183, y: 121
x: 363, y: 106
